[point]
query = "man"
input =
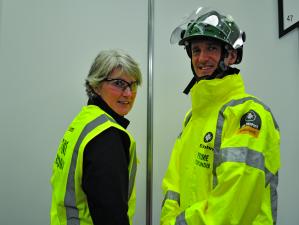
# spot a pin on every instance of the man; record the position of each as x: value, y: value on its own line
x: 224, y: 164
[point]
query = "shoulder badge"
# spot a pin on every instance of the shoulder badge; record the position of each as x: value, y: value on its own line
x: 250, y: 123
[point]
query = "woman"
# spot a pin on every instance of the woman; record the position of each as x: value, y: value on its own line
x: 93, y: 177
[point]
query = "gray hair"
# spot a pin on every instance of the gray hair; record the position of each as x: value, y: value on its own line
x: 105, y: 62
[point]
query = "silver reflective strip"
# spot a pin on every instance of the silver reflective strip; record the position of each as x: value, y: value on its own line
x: 244, y: 155
x: 171, y: 195
x: 133, y: 172
x: 219, y: 127
x: 72, y: 213
x: 181, y: 220
x: 273, y: 189
x: 272, y: 179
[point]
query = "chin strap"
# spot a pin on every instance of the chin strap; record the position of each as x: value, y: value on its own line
x: 190, y: 85
x: 217, y: 74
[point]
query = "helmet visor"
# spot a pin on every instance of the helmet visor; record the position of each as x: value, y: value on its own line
x: 177, y: 34
x: 205, y: 22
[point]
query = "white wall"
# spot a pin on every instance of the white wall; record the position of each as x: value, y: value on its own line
x: 46, y: 49
x: 270, y: 70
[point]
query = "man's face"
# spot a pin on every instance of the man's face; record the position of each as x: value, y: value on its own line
x: 205, y: 56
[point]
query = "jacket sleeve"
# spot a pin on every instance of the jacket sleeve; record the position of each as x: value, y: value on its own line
x: 245, y: 172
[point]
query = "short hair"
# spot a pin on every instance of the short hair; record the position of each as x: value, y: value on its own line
x: 103, y: 65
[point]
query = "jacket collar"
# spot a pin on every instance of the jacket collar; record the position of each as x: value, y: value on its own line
x: 230, y: 70
x: 212, y: 93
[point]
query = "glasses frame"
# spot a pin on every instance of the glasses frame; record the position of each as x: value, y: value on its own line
x: 126, y: 84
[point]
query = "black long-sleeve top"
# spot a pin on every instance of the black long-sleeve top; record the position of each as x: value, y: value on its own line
x: 105, y: 172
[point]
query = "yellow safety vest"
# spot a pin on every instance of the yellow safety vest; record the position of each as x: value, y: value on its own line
x: 224, y: 164
x: 69, y: 202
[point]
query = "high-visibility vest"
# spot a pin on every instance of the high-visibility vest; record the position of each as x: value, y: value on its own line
x: 224, y: 164
x: 69, y: 202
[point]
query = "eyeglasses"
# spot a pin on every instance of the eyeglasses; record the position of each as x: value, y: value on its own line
x: 122, y: 84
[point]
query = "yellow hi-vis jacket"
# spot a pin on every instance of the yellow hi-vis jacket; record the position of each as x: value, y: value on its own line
x: 224, y: 165
x: 69, y: 202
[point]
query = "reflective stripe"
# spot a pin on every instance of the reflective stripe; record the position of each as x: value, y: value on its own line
x: 133, y: 172
x: 273, y: 190
x: 251, y: 158
x: 72, y: 213
x: 245, y: 155
x: 180, y: 219
x: 172, y: 195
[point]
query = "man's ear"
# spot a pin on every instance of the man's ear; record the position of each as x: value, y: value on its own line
x: 232, y: 57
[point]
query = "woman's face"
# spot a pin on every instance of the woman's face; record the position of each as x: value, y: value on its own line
x: 118, y: 91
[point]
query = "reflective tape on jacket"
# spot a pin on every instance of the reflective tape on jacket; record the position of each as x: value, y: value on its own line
x: 172, y: 195
x: 181, y: 220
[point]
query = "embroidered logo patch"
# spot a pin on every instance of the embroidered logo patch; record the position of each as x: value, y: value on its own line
x: 250, y: 123
x: 208, y: 137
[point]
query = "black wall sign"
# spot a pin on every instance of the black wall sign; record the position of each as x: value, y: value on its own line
x: 288, y: 16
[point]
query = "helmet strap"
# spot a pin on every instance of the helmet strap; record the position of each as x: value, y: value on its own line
x: 219, y: 72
